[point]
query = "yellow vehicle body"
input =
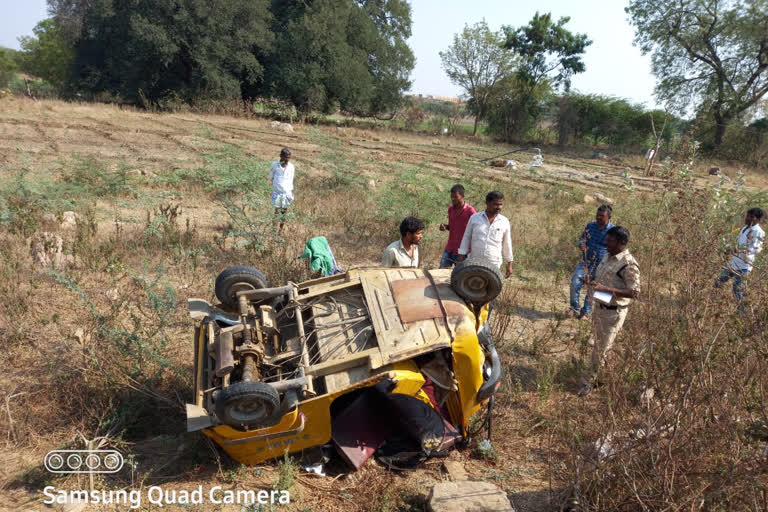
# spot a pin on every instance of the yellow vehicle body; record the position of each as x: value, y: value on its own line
x: 454, y: 326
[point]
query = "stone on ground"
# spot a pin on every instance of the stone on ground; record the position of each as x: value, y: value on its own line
x: 603, y: 198
x: 68, y: 220
x: 455, y: 470
x: 465, y: 496
x: 47, y: 250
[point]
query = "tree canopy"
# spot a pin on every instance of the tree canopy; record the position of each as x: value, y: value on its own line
x: 185, y: 48
x: 323, y: 54
x: 477, y: 62
x: 713, y: 53
x: 47, y: 54
x: 332, y: 54
x: 548, y: 55
x: 8, y: 65
x: 547, y: 50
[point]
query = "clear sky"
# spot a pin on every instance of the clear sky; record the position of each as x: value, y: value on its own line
x: 18, y: 18
x: 614, y: 66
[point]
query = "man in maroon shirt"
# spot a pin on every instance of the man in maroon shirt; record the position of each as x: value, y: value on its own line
x: 458, y: 216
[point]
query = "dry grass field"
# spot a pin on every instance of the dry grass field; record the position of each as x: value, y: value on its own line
x: 100, y: 344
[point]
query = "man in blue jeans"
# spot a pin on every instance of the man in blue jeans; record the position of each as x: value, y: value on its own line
x: 748, y: 244
x: 458, y: 216
x: 592, y: 246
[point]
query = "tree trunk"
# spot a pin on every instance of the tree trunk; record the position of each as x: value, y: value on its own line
x: 477, y: 120
x: 563, y: 121
x: 720, y: 125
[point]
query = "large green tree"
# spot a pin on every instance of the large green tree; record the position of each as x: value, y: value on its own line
x: 515, y: 107
x: 549, y: 55
x: 69, y: 16
x: 157, y: 48
x: 713, y: 53
x: 348, y: 54
x: 48, y: 54
x: 477, y: 63
x: 320, y: 54
x: 8, y: 66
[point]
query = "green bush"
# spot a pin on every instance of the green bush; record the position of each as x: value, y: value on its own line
x: 94, y: 178
x: 599, y: 119
x: 748, y: 144
x: 21, y: 208
x: 413, y: 115
x: 8, y: 67
x: 36, y: 87
x: 274, y: 109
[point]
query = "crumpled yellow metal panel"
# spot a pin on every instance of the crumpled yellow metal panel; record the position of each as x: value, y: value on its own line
x: 468, y: 360
x: 310, y: 424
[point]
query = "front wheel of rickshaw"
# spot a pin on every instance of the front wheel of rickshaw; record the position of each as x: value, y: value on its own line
x: 237, y: 279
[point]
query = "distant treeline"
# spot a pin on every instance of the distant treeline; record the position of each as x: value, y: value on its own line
x: 289, y: 58
x: 323, y: 55
x: 575, y: 118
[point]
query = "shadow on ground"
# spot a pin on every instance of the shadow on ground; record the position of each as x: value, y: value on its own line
x: 528, y: 376
x: 538, y: 501
x: 533, y: 314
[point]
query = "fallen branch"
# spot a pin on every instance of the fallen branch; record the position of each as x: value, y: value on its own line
x: 11, y: 431
x: 657, y: 136
x: 638, y: 178
x: 304, y: 481
x: 537, y: 150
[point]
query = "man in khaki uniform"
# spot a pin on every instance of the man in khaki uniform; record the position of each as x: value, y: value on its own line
x: 618, y: 275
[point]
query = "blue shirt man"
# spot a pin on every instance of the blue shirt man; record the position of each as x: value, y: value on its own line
x: 592, y: 246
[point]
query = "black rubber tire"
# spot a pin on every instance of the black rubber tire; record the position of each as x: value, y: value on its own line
x: 235, y: 279
x: 476, y: 281
x: 248, y: 403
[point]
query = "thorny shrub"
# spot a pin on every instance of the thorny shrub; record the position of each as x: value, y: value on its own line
x: 94, y: 178
x: 248, y: 227
x: 413, y: 115
x: 124, y: 341
x: 20, y: 208
x: 681, y: 421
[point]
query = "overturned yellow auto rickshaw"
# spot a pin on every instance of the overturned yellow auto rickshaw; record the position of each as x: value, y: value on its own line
x: 344, y: 359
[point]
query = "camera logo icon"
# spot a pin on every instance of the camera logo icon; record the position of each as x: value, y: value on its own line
x: 83, y: 461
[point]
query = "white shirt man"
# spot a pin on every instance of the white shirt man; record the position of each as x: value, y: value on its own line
x: 749, y: 243
x: 281, y: 176
x: 489, y: 235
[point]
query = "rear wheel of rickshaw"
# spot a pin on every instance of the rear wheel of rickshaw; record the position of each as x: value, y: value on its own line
x: 248, y: 403
x: 477, y: 281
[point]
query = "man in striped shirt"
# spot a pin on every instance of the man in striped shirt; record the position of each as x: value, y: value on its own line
x: 592, y: 246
